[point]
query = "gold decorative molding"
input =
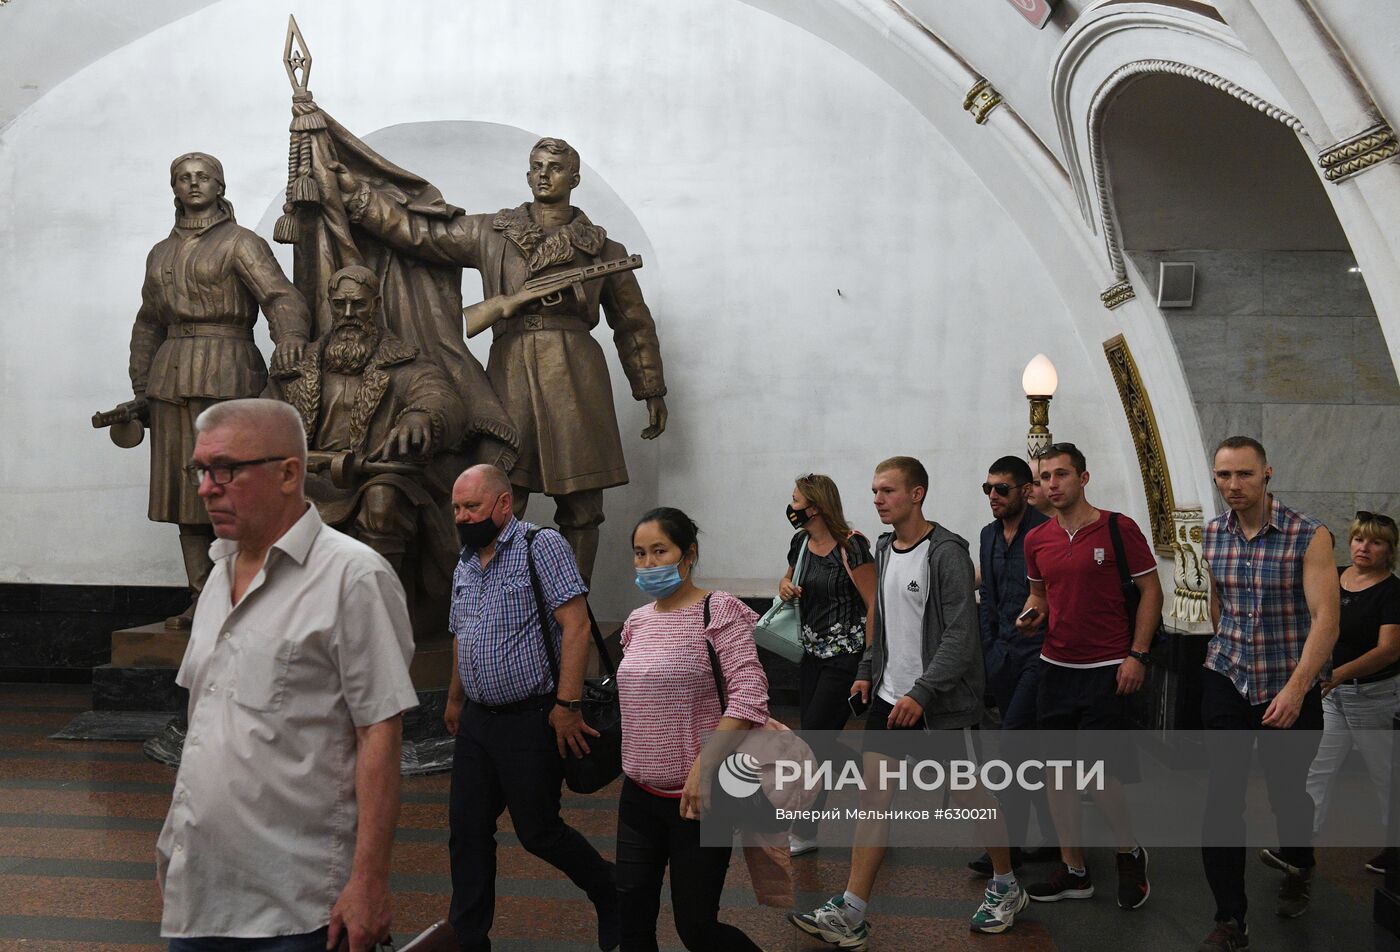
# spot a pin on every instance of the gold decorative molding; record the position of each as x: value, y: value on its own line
x: 1359, y: 153
x: 1191, y: 598
x: 1120, y: 293
x: 980, y: 100
x: 1147, y: 440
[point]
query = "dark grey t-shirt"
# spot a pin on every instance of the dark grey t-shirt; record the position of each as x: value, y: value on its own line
x: 833, y: 613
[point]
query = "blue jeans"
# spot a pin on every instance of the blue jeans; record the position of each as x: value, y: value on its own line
x: 306, y: 942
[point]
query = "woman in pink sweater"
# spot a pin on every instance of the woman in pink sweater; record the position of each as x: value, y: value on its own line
x: 666, y: 688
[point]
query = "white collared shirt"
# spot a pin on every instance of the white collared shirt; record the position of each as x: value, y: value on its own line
x: 260, y: 835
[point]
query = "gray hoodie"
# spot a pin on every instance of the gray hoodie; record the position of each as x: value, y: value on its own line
x: 950, y: 689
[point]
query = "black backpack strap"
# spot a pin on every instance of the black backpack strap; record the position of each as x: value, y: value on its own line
x: 1125, y: 580
x: 715, y: 668
x: 545, y: 615
x: 540, y: 605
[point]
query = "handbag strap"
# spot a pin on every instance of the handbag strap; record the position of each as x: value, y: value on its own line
x: 801, y: 560
x: 545, y: 623
x: 715, y: 668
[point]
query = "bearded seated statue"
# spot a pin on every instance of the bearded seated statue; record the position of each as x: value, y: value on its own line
x: 382, y: 427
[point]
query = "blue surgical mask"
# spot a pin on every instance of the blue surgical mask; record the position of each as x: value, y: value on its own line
x: 660, y: 581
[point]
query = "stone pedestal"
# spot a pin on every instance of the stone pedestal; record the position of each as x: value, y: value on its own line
x: 141, y: 675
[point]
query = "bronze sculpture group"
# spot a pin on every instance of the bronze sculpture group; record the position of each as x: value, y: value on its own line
x: 370, y: 347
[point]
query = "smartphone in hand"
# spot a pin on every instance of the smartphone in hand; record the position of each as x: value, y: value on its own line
x: 858, y: 704
x: 1028, y: 614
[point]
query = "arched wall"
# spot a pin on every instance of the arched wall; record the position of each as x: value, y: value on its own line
x: 1011, y: 156
x: 833, y: 283
x: 1334, y: 60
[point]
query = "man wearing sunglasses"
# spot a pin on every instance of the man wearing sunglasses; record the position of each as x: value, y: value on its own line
x: 279, y: 832
x: 1012, y: 658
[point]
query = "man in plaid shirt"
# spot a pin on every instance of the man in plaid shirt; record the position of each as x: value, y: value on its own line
x: 513, y: 724
x: 1275, y: 605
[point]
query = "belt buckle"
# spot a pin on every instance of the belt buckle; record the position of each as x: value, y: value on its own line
x: 533, y: 321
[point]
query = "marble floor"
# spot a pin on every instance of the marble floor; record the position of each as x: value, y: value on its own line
x: 78, y: 823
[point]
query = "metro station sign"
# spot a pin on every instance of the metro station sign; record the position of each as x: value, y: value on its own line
x: 1036, y: 11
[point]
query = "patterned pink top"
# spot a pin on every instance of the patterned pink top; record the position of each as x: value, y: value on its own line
x: 666, y: 687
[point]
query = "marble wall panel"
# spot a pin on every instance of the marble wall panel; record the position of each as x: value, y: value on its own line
x: 1313, y: 282
x: 1287, y: 359
x: 1227, y: 282
x: 1352, y: 449
x: 1219, y: 420
x: 1375, y: 380
x: 1334, y: 510
x: 1200, y: 342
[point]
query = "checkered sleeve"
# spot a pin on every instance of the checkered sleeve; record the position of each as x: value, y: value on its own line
x: 558, y: 569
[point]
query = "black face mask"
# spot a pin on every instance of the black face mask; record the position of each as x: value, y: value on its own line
x: 478, y: 535
x: 798, y: 517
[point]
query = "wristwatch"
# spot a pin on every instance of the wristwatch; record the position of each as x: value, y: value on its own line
x: 1143, y: 657
x: 569, y: 705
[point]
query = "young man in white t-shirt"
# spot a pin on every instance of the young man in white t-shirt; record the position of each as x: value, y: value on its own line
x: 922, y: 671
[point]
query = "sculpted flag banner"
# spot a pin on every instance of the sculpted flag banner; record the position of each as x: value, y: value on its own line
x: 422, y: 302
x: 421, y: 305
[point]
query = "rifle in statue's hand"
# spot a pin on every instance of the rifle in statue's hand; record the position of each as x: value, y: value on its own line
x: 126, y: 422
x: 347, y: 470
x: 548, y: 289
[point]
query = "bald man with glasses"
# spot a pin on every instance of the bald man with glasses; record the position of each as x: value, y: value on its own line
x: 280, y: 827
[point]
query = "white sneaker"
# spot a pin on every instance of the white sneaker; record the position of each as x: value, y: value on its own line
x: 999, y: 907
x: 797, y: 846
x: 828, y: 923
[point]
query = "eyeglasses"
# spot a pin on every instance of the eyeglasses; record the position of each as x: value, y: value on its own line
x: 222, y: 473
x: 1002, y: 489
x: 1379, y: 518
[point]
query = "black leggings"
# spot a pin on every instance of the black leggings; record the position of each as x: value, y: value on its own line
x: 651, y: 833
x: 824, y: 689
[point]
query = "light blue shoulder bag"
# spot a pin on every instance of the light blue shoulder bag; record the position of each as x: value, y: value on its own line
x: 780, y: 628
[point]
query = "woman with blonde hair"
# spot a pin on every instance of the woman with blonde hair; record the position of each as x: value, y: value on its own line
x: 1362, y: 694
x: 836, y: 589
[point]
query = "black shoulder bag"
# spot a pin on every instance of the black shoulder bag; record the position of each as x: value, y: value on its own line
x: 603, y: 762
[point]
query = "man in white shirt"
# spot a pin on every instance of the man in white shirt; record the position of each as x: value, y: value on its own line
x: 280, y: 828
x: 922, y: 671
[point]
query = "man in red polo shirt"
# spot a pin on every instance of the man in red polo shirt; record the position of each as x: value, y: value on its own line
x: 1094, y: 660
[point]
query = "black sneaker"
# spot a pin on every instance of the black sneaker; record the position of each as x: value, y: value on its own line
x: 982, y: 865
x: 1378, y: 863
x: 1133, y: 887
x: 1296, y: 894
x: 1226, y: 937
x: 1062, y: 885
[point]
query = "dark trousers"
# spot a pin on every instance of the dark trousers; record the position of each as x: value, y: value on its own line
x: 510, y: 761
x: 306, y: 942
x: 650, y: 835
x: 823, y: 688
x: 1228, y: 759
x: 1014, y: 687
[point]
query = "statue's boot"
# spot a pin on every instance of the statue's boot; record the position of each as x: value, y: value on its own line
x: 585, y: 545
x: 194, y: 546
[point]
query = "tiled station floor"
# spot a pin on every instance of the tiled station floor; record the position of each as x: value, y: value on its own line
x: 78, y: 823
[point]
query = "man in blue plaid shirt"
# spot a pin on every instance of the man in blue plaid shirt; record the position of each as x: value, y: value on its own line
x: 513, y: 724
x: 1275, y: 604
